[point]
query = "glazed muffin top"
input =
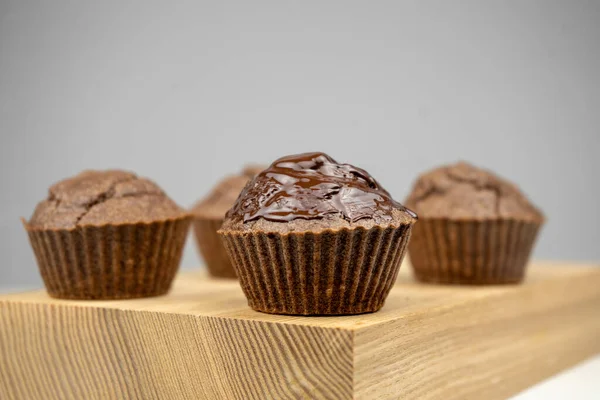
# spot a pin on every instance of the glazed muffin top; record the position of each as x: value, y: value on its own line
x: 103, y: 197
x: 313, y: 192
x: 463, y: 191
x: 224, y: 194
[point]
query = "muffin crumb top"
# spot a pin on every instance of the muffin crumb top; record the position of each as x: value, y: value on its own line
x: 462, y: 191
x: 103, y: 197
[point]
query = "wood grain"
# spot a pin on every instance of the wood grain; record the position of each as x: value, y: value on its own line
x: 202, y: 341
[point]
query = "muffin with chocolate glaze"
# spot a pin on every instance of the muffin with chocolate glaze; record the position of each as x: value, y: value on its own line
x: 208, y: 218
x: 474, y: 228
x: 107, y: 235
x: 310, y: 236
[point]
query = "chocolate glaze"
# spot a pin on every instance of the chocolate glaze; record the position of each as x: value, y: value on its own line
x: 311, y: 186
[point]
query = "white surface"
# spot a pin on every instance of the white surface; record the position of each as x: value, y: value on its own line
x: 579, y: 383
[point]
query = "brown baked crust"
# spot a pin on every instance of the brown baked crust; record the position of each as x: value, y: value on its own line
x: 462, y: 191
x: 94, y: 198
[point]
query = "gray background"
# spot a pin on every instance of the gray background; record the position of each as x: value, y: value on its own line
x: 187, y: 92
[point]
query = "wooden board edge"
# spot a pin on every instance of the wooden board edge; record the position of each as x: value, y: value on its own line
x: 76, y: 352
x: 420, y: 356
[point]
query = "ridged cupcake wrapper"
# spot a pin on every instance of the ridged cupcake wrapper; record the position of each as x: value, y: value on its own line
x: 327, y: 273
x: 111, y: 261
x: 211, y: 247
x: 472, y: 252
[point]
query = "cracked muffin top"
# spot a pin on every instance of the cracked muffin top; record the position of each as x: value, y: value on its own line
x: 463, y: 191
x: 103, y: 197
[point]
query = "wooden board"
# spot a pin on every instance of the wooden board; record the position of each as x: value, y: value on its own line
x: 202, y: 341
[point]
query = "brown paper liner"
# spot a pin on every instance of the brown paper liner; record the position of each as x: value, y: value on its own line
x: 110, y: 261
x: 350, y: 271
x: 211, y: 247
x: 472, y: 252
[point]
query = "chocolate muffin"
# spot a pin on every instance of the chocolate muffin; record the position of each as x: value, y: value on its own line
x: 107, y: 235
x: 310, y: 236
x: 474, y: 228
x: 208, y: 218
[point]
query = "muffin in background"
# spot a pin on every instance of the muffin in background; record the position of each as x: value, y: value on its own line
x: 208, y: 216
x: 251, y: 170
x: 107, y: 235
x: 474, y: 227
x: 310, y: 236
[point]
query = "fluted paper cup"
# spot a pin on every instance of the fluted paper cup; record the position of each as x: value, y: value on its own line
x: 211, y: 248
x: 474, y: 252
x: 119, y: 261
x: 332, y: 272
